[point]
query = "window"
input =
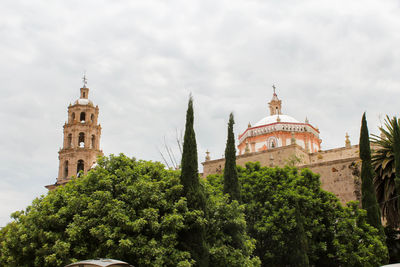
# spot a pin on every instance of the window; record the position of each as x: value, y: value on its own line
x: 80, y: 166
x: 84, y: 94
x: 92, y: 118
x: 73, y: 116
x: 69, y: 141
x: 272, y: 142
x: 81, y: 140
x: 93, y: 141
x: 65, y: 169
x: 83, y: 116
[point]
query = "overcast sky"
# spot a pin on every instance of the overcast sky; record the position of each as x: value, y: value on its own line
x: 330, y: 61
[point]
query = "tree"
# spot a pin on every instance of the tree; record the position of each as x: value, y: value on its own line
x: 193, y: 238
x: 396, y: 151
x: 125, y: 209
x: 279, y: 202
x: 383, y: 162
x: 231, y: 183
x: 368, y: 199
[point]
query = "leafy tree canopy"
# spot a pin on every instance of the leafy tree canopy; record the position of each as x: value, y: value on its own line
x: 335, y: 235
x: 125, y: 209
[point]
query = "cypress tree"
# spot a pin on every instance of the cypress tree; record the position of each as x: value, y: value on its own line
x: 193, y: 238
x: 231, y: 183
x: 298, y: 256
x: 368, y: 199
x: 396, y: 151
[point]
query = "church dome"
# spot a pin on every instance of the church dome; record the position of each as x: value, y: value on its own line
x: 274, y: 118
x: 84, y: 101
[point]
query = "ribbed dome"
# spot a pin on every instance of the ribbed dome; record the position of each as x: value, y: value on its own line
x: 274, y: 118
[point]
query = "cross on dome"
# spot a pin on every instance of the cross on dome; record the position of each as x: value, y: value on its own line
x: 84, y: 79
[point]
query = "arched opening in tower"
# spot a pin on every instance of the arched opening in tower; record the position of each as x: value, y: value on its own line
x: 69, y: 141
x: 92, y: 118
x: 83, y: 117
x: 81, y: 140
x: 80, y: 166
x: 93, y: 141
x: 73, y: 116
x: 66, y: 169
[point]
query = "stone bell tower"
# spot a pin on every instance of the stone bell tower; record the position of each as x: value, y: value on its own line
x: 81, y: 145
x: 275, y: 105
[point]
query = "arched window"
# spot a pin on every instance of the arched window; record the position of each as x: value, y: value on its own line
x: 66, y: 169
x: 83, y: 116
x: 73, y: 116
x: 92, y: 118
x: 272, y: 142
x: 69, y: 141
x: 84, y: 94
x: 93, y: 141
x: 81, y: 139
x: 80, y: 166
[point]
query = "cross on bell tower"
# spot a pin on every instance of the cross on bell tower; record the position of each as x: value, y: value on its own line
x: 81, y: 145
x: 275, y: 105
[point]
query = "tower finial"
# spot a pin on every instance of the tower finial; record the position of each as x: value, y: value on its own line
x: 84, y: 79
x: 275, y: 103
x: 347, y: 141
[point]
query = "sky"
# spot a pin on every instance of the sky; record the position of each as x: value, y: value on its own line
x: 329, y: 60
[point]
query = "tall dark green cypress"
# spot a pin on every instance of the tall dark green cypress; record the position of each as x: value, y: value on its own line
x: 298, y: 256
x: 396, y: 151
x: 231, y: 183
x: 368, y: 199
x: 193, y: 239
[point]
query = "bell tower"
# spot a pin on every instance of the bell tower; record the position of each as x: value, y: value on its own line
x: 275, y: 105
x: 81, y: 145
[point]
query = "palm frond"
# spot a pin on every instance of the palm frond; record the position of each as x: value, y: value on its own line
x: 384, y: 166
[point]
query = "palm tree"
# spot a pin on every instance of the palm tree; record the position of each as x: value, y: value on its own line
x: 384, y: 165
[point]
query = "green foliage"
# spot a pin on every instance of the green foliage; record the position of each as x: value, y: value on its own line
x: 124, y: 209
x: 193, y: 237
x: 229, y: 243
x: 280, y: 202
x: 231, y: 183
x: 383, y: 161
x: 393, y: 243
x: 190, y: 173
x: 368, y: 199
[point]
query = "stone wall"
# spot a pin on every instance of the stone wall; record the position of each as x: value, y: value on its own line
x: 334, y: 154
x: 274, y: 157
x: 340, y: 177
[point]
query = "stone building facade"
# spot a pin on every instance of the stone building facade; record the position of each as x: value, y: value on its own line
x: 81, y: 144
x: 279, y: 139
